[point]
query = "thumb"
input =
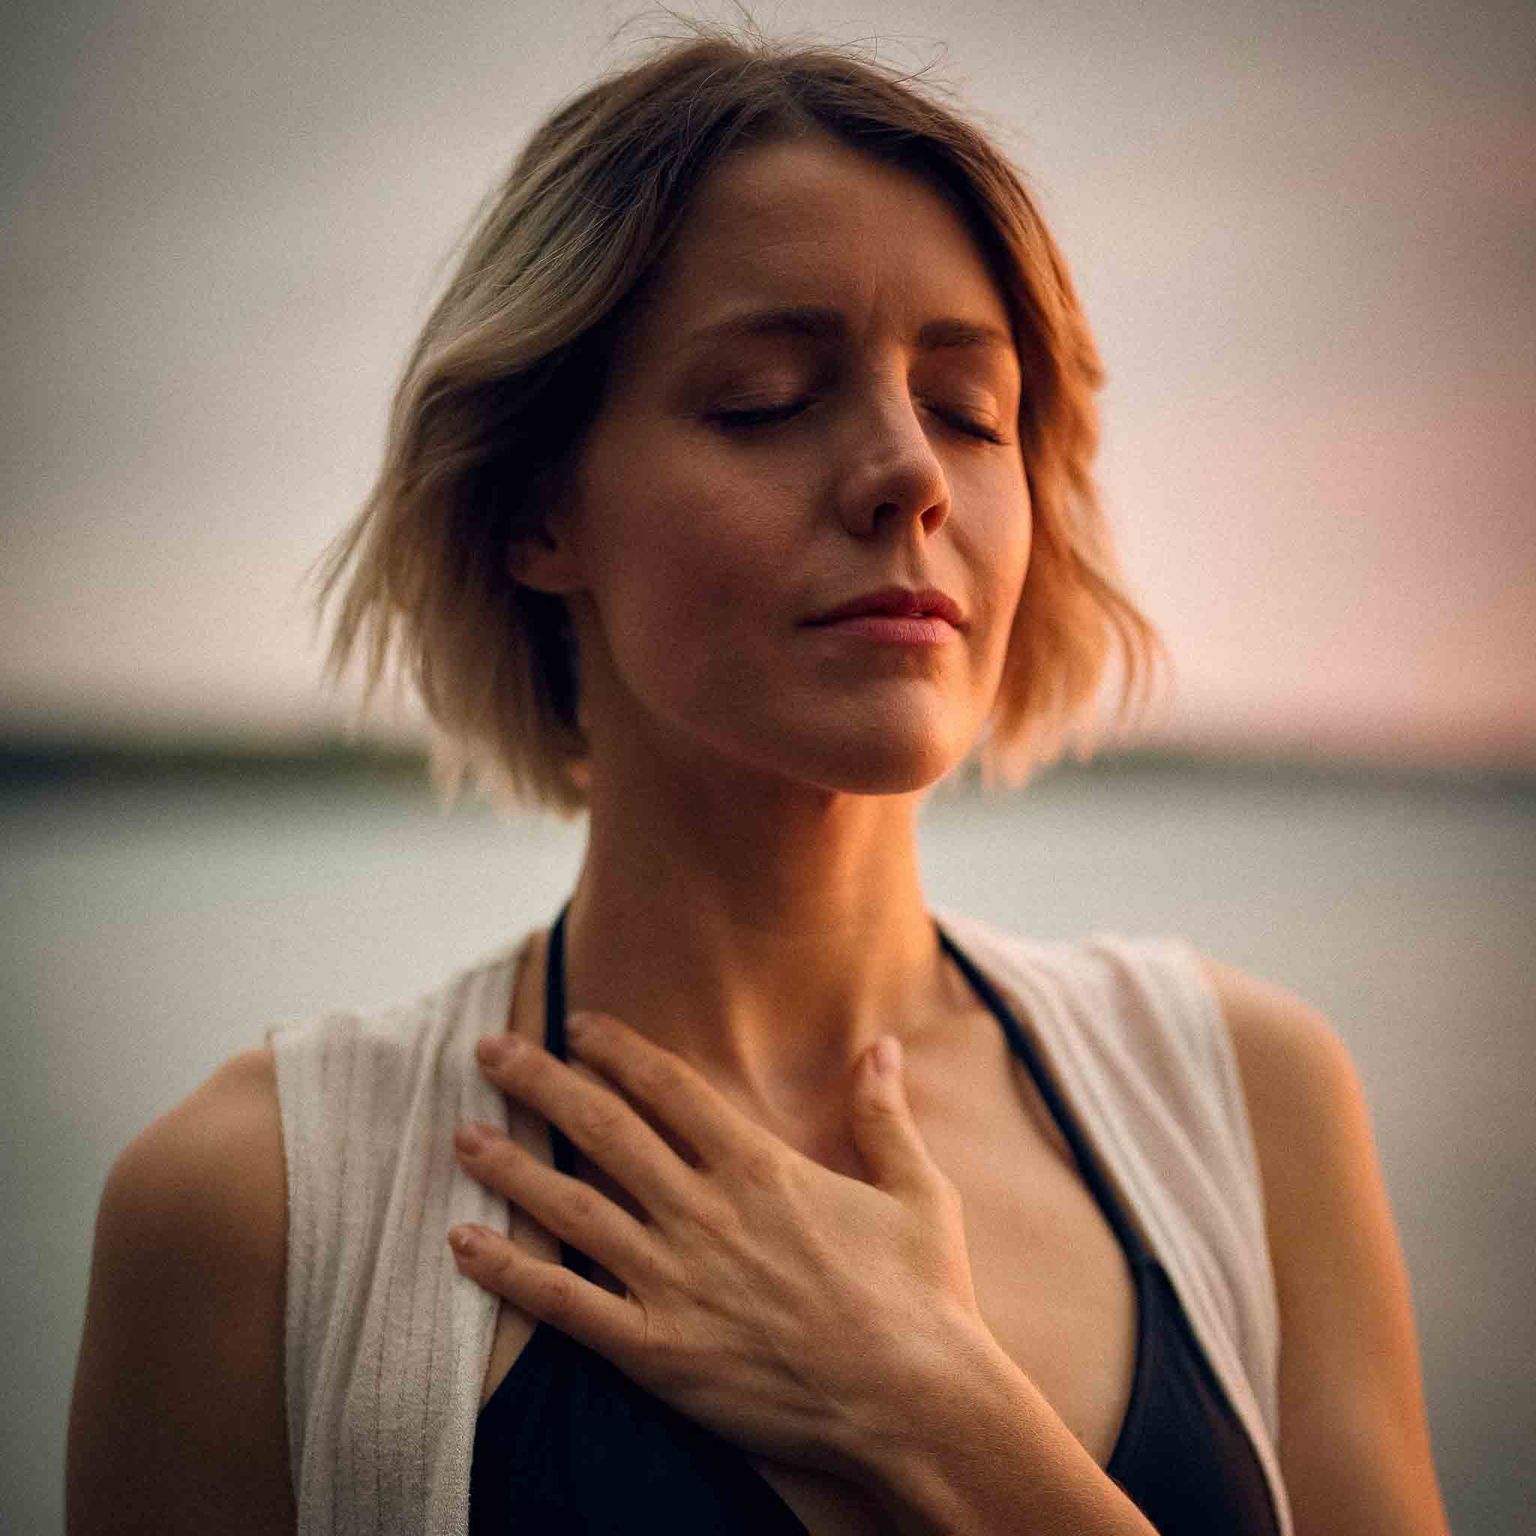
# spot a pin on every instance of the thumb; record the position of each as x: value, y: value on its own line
x: 884, y: 1129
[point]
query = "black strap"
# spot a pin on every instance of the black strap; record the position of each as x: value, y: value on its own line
x: 554, y: 1043
x: 1087, y: 1159
x: 1019, y: 1042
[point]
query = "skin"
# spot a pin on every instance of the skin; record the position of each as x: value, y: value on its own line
x: 743, y: 975
x: 782, y: 767
x: 781, y: 770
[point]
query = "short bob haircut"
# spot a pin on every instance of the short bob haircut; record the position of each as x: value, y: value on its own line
x: 508, y: 373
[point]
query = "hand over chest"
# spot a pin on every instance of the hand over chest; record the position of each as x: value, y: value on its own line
x: 1051, y: 1282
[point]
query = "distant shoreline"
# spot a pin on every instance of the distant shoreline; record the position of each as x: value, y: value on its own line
x: 65, y: 761
x: 62, y: 762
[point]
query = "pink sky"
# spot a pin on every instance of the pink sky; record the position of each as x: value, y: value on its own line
x: 1304, y: 245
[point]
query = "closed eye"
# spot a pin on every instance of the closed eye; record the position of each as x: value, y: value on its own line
x: 764, y: 416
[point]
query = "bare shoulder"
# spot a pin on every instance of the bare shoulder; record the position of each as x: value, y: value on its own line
x: 236, y: 1102
x: 210, y: 1174
x: 1354, y: 1436
x: 1306, y: 1105
x: 178, y: 1420
x: 1288, y: 1052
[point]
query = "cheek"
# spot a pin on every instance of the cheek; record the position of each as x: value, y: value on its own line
x: 737, y: 532
x: 691, y: 584
x: 1023, y: 549
x: 998, y: 548
x: 1014, y: 541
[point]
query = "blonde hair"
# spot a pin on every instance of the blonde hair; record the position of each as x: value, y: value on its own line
x: 506, y: 377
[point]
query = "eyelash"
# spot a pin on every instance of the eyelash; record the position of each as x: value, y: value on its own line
x: 766, y: 416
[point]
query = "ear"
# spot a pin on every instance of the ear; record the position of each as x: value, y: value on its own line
x: 544, y: 562
x: 544, y: 557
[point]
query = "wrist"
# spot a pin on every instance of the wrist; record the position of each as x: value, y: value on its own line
x: 929, y: 1391
x: 968, y: 1446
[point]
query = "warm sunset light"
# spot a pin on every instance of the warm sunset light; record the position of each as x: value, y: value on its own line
x: 1300, y: 243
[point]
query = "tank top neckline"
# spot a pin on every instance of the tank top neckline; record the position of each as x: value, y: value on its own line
x: 1087, y: 1158
x: 1138, y: 1256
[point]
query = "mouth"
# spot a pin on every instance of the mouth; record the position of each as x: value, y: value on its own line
x: 927, y: 603
x: 913, y: 629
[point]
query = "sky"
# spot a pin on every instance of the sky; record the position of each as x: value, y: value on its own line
x: 1302, y: 236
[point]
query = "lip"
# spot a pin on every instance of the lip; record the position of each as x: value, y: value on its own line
x: 919, y: 629
x: 897, y: 603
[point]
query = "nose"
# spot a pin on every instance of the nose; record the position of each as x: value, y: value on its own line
x: 890, y: 472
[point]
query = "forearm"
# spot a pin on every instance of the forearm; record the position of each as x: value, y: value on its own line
x: 970, y: 1447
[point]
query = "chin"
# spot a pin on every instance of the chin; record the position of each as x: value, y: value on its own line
x: 883, y: 767
x: 843, y: 752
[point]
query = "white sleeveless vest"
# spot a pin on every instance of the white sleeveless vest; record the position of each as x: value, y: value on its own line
x: 388, y: 1345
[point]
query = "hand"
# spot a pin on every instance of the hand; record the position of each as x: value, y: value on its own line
x: 788, y: 1308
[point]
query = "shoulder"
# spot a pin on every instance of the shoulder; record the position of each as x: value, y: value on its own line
x: 1354, y: 1435
x: 194, y: 1213
x: 1306, y: 1107
x: 178, y: 1419
x: 1291, y: 1058
x: 210, y: 1170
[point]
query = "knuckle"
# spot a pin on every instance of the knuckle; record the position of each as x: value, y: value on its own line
x: 665, y: 1349
x: 762, y: 1167
x: 581, y: 1204
x: 597, y: 1124
x: 717, y: 1211
x: 559, y: 1293
x: 659, y: 1080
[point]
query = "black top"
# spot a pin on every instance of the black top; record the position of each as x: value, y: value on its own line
x: 567, y: 1443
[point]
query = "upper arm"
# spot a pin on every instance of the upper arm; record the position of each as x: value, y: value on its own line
x: 1354, y: 1437
x: 178, y: 1419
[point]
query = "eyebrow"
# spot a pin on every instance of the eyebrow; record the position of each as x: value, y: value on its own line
x: 821, y: 322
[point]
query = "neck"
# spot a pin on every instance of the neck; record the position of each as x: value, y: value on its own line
x: 768, y: 939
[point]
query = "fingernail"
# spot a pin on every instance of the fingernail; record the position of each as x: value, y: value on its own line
x: 463, y: 1240
x: 887, y: 1055
x: 497, y: 1050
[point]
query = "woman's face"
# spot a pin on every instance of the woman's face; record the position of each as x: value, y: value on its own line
x: 694, y: 547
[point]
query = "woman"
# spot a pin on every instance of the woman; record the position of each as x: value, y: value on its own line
x: 737, y: 489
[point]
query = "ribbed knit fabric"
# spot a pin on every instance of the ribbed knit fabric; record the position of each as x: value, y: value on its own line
x: 387, y: 1344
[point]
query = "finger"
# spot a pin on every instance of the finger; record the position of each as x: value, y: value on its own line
x: 886, y: 1132
x: 595, y: 1118
x: 675, y: 1094
x: 568, y: 1207
x: 550, y: 1292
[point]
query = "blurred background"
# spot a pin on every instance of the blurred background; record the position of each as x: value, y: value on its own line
x: 1303, y: 238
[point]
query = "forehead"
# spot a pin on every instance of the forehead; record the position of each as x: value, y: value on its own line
x: 814, y: 223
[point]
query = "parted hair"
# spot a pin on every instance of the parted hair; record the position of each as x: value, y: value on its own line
x: 507, y: 374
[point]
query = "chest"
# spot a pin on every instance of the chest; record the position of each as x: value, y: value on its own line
x: 1051, y: 1280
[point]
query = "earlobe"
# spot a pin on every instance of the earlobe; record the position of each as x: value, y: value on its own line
x: 537, y: 560
x: 527, y: 557
x: 540, y: 554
